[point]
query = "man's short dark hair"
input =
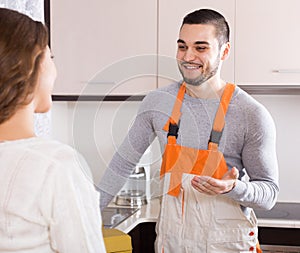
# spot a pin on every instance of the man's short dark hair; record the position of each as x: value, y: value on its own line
x: 210, y: 17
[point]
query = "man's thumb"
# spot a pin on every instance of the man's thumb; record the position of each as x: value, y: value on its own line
x: 234, y: 173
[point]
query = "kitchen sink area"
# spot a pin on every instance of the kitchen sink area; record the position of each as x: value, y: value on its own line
x: 279, y: 228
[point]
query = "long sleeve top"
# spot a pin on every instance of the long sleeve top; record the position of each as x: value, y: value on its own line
x: 48, y: 203
x: 248, y: 142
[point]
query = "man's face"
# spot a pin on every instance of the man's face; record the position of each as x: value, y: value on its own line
x: 198, y: 53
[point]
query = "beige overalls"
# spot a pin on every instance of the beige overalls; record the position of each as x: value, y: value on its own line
x: 189, y: 220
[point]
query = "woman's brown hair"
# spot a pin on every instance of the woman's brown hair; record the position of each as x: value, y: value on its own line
x: 22, y: 44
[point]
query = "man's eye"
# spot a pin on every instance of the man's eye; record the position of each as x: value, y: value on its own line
x: 181, y: 47
x: 201, y: 48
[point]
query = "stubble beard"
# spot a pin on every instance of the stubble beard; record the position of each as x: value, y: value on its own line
x: 203, y: 77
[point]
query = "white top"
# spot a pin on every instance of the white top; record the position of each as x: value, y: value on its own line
x: 47, y: 201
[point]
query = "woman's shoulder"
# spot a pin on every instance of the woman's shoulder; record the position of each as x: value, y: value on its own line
x: 60, y: 158
x: 44, y: 151
x: 47, y: 147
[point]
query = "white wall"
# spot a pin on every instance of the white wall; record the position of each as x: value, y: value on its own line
x: 97, y: 128
x: 93, y: 128
x: 285, y: 111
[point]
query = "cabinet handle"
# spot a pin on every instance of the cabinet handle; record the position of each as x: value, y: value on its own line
x: 287, y: 71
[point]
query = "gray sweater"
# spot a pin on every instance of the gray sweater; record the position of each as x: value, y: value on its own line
x: 248, y: 142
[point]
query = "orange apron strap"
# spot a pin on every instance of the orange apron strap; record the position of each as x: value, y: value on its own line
x: 219, y: 121
x: 176, y: 113
x: 215, y: 157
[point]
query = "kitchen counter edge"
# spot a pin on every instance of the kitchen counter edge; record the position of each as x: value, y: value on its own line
x: 150, y: 213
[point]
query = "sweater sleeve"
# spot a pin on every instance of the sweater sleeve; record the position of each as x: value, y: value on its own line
x: 71, y: 206
x: 259, y: 160
x: 138, y: 139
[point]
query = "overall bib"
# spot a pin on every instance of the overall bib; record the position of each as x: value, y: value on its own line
x: 189, y: 220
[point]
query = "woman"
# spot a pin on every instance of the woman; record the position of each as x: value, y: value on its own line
x: 47, y: 203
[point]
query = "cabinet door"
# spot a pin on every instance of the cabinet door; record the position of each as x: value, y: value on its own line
x: 267, y: 42
x: 171, y: 14
x: 104, y: 47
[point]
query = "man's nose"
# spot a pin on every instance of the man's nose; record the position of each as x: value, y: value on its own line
x: 189, y: 55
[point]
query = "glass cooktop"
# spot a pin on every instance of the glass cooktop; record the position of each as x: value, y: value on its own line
x: 282, y: 211
x: 113, y: 216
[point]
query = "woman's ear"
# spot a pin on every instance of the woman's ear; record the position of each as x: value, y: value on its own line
x: 45, y: 81
x: 225, y: 49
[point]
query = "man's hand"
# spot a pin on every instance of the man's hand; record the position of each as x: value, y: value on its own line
x: 212, y: 186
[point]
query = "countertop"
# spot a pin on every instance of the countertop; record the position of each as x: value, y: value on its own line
x: 146, y: 213
x: 150, y: 213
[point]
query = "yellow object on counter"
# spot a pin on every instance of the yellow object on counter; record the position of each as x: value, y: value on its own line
x: 116, y: 241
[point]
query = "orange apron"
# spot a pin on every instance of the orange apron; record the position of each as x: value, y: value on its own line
x: 179, y: 161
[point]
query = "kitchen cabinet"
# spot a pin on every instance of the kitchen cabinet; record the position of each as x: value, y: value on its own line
x: 104, y: 47
x: 171, y: 14
x: 286, y: 239
x: 279, y: 226
x: 143, y: 237
x: 267, y: 42
x: 119, y: 48
x: 264, y: 41
x: 278, y: 236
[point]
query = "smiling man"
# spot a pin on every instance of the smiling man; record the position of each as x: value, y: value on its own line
x: 198, y: 61
x: 218, y: 143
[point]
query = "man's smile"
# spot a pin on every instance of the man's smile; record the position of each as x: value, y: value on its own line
x: 190, y: 66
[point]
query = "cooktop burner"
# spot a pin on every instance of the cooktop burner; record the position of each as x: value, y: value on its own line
x: 113, y: 216
x: 281, y: 210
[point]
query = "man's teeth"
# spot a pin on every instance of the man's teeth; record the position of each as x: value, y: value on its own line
x: 191, y: 67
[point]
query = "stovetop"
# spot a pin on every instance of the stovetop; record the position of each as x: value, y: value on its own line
x: 281, y: 211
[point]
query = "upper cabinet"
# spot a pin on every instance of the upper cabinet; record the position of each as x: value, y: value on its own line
x: 171, y: 14
x: 104, y: 47
x: 129, y: 46
x: 267, y: 42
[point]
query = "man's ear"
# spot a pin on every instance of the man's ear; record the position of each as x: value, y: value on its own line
x: 225, y: 49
